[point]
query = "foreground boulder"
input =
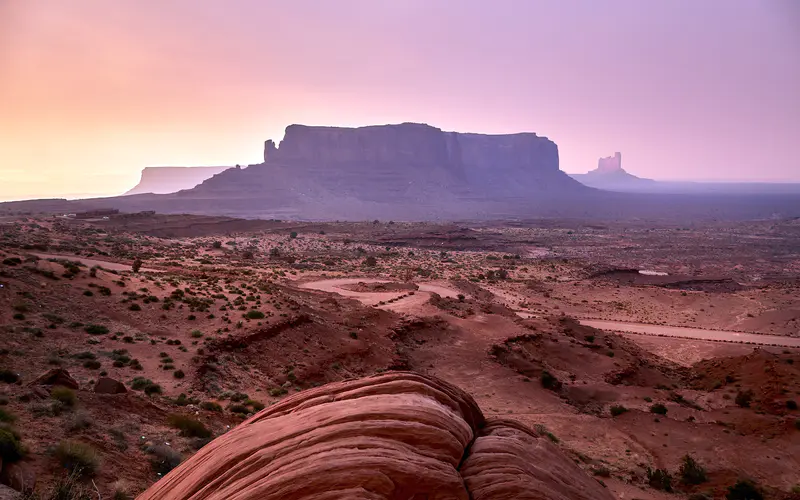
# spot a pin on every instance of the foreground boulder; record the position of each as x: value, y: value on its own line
x: 392, y: 436
x: 107, y: 385
x: 56, y: 376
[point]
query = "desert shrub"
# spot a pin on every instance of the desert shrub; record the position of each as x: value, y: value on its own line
x: 254, y: 314
x: 549, y: 381
x: 277, y: 391
x: 152, y: 389
x: 8, y: 376
x: 135, y: 307
x: 92, y: 364
x: 137, y: 265
x: 78, y: 458
x: 163, y: 459
x: 178, y: 374
x: 658, y: 409
x: 659, y: 479
x: 370, y: 261
x: 293, y: 235
x: 618, y: 410
x: 7, y: 417
x: 96, y: 329
x: 211, y: 406
x: 189, y: 426
x: 86, y: 355
x: 11, y: 449
x: 79, y: 421
x: 64, y: 395
x: 68, y: 487
x: 216, y: 244
x: 791, y: 404
x: 744, y: 398
x: 196, y: 334
x: 744, y: 490
x: 692, y: 472
x: 19, y: 316
x: 256, y: 405
x: 241, y: 409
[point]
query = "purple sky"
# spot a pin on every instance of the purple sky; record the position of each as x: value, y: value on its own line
x: 93, y: 91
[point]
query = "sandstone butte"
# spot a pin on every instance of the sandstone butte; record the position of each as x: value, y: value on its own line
x: 398, y: 436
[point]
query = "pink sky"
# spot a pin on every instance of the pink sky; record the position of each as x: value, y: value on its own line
x: 93, y: 91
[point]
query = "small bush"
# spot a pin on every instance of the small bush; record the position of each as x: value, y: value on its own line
x: 658, y: 409
x: 7, y: 417
x: 549, y: 381
x: 11, y: 449
x: 152, y: 389
x: 196, y: 334
x: 744, y: 490
x: 277, y: 391
x: 241, y: 409
x: 744, y: 398
x: 79, y: 421
x: 96, y: 329
x: 8, y: 376
x: 254, y: 314
x: 692, y: 472
x: 189, y: 426
x: 64, y: 395
x: 164, y: 458
x: 791, y: 404
x: 211, y: 406
x: 659, y: 479
x: 78, y: 458
x: 135, y: 307
x: 178, y: 374
x: 618, y: 410
x: 92, y: 364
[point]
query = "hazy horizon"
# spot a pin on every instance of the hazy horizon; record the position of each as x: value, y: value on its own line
x: 94, y: 92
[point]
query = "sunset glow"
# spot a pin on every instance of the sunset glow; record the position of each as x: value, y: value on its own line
x: 91, y: 92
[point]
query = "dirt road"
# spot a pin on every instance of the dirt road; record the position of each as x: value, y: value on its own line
x: 692, y: 333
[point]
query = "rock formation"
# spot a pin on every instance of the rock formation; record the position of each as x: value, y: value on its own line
x: 163, y: 180
x: 391, y: 436
x: 610, y: 175
x: 609, y: 164
x: 396, y: 168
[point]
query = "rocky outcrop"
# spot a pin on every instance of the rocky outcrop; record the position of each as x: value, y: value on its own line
x: 107, y: 385
x: 609, y: 163
x: 336, y: 171
x: 163, y: 180
x: 56, y: 376
x: 610, y: 175
x: 391, y: 436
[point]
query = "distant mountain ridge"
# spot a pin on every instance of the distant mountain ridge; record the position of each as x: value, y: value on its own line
x: 164, y: 180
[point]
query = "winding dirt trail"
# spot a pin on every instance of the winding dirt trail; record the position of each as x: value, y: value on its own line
x: 405, y: 304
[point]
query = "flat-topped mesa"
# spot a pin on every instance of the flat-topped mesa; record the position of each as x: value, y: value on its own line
x: 610, y: 163
x: 411, y: 144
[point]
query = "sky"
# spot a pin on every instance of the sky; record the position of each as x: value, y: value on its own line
x: 92, y: 91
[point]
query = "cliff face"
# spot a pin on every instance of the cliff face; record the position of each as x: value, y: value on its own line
x: 341, y: 170
x: 163, y: 180
x: 391, y: 436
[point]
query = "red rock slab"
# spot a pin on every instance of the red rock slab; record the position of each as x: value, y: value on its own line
x: 391, y: 436
x: 509, y: 461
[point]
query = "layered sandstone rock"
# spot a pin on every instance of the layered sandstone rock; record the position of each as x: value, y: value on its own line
x: 391, y: 436
x: 336, y: 169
